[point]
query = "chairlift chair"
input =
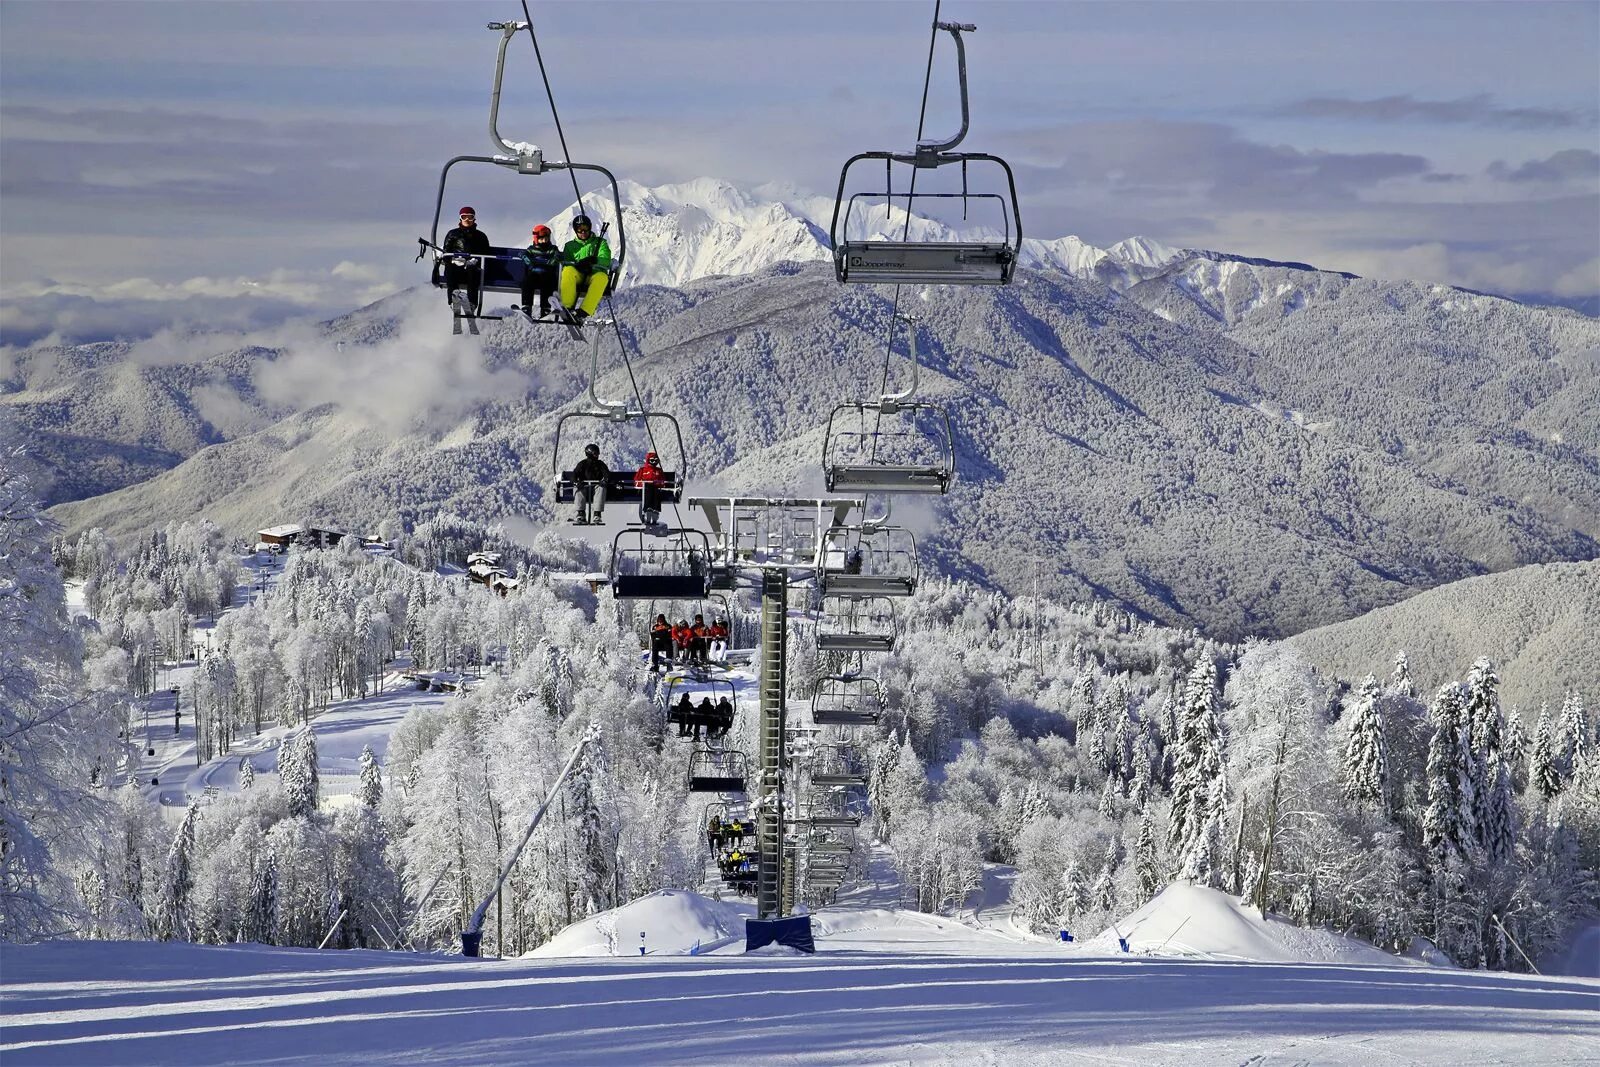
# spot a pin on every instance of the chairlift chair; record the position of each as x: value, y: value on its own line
x: 847, y: 700
x: 620, y: 487
x: 856, y: 624
x: 860, y: 256
x: 502, y: 266
x: 717, y: 770
x: 679, y: 685
x: 837, y: 766
x: 913, y: 453
x: 869, y: 561
x: 655, y: 564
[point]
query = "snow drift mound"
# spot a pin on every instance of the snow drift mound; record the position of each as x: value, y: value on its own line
x: 673, y: 921
x: 1191, y: 920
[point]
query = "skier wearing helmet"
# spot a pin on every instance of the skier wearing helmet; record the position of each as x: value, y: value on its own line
x: 465, y: 246
x: 589, y: 479
x: 541, y: 265
x: 650, y: 479
x: 586, y: 259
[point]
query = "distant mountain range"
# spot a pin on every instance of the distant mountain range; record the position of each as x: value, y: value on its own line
x: 1243, y: 446
x: 1537, y: 624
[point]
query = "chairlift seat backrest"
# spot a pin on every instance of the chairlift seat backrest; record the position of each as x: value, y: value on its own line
x: 855, y: 642
x: 835, y: 583
x: 843, y: 717
x: 659, y: 587
x: 924, y: 262
x: 886, y: 478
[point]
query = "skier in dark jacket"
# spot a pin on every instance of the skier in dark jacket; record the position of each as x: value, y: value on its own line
x: 589, y: 486
x: 464, y: 271
x: 541, y: 269
x: 660, y: 642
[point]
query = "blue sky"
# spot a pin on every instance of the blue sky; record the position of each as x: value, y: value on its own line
x: 251, y: 159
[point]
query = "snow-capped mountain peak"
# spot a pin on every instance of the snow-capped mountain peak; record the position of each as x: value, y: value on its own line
x: 709, y: 226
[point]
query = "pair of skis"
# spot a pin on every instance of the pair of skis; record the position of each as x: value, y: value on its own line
x: 463, y: 312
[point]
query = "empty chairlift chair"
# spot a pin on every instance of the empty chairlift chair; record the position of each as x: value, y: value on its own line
x: 714, y: 770
x: 837, y: 766
x: 832, y: 809
x: 672, y: 564
x: 856, y: 624
x: 861, y: 561
x: 872, y: 233
x: 894, y: 444
x: 847, y: 700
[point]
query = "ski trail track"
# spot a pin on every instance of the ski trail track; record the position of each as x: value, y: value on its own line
x: 95, y: 1003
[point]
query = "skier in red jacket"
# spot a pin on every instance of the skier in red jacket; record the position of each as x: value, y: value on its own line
x: 650, y: 479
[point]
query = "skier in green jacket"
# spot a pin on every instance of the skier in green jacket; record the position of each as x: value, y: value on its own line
x: 586, y: 259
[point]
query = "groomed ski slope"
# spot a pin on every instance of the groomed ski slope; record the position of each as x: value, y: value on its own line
x: 886, y: 987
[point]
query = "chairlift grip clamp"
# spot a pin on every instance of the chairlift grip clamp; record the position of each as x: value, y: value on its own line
x: 509, y: 28
x: 953, y: 27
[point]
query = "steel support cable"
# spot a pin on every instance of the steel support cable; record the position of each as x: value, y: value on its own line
x: 611, y: 306
x: 551, y: 96
x: 911, y: 192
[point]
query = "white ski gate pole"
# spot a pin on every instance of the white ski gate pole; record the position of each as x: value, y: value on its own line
x: 471, y: 935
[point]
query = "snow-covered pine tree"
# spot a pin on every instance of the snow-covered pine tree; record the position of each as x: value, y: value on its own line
x: 297, y: 768
x: 1544, y: 765
x: 1448, y: 825
x: 1576, y: 725
x: 1146, y: 862
x: 1365, y: 758
x: 1400, y: 683
x: 1109, y: 795
x: 1197, y: 759
x: 247, y: 775
x: 177, y: 881
x: 370, y: 792
x: 1516, y: 748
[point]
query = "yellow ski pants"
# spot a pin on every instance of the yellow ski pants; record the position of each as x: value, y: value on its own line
x: 592, y: 292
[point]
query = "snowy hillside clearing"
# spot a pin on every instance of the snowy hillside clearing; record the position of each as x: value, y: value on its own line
x: 1192, y: 920
x: 87, y: 1003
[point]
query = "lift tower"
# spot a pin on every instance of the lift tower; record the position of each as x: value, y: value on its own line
x: 774, y: 544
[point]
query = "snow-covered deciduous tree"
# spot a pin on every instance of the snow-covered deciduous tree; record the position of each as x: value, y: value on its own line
x: 58, y: 743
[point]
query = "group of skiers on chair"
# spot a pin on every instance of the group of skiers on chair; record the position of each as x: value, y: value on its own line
x: 716, y: 720
x: 686, y: 644
x: 589, y: 479
x: 583, y: 263
x: 724, y: 832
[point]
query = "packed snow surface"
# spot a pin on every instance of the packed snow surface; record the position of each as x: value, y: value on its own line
x: 885, y: 987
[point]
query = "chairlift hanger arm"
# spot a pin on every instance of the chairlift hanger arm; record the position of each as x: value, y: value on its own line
x: 955, y: 29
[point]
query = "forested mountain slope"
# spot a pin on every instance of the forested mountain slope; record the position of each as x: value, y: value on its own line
x: 1538, y: 624
x: 106, y: 415
x: 1100, y: 447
